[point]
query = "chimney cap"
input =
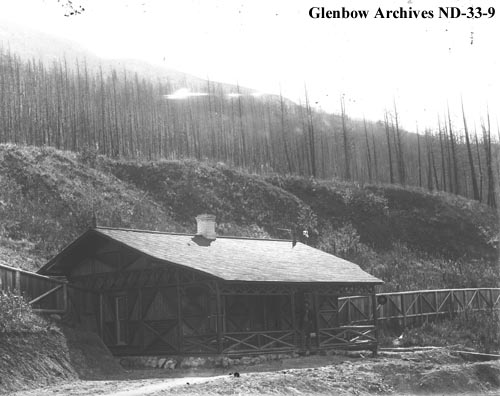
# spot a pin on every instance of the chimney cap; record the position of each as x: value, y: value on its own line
x: 206, y: 216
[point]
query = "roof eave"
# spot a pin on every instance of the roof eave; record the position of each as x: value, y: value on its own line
x: 336, y: 283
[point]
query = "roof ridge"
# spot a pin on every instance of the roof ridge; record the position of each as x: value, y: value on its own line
x: 139, y: 230
x: 186, y: 234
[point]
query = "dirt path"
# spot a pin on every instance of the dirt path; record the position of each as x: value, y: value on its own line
x: 434, y: 372
x: 115, y: 388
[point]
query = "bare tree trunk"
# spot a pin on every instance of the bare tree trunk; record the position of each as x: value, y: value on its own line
x: 347, y: 152
x: 419, y: 160
x: 430, y: 185
x: 242, y: 130
x: 401, y: 161
x: 475, y: 190
x: 443, y: 164
x: 310, y: 128
x: 283, y: 135
x: 369, y: 159
x: 491, y: 198
x: 436, y: 179
x: 375, y: 157
x: 456, y: 183
x: 480, y: 170
x: 388, y: 135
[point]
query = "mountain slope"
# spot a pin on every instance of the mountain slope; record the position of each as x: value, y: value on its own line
x: 30, y: 44
x: 409, y: 238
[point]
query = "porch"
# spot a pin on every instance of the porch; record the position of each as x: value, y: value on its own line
x: 177, y: 312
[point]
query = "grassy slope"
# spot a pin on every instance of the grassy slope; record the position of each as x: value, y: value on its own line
x: 384, y: 215
x: 35, y: 351
x: 407, y: 237
x: 47, y: 198
x: 29, y: 360
x: 40, y: 358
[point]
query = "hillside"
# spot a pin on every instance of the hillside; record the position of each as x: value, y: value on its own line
x: 54, y: 93
x: 409, y: 238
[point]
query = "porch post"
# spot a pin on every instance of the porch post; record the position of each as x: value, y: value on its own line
x: 180, y: 333
x: 220, y: 319
x: 101, y: 317
x: 141, y: 319
x: 316, y: 318
x: 65, y: 298
x: 296, y: 334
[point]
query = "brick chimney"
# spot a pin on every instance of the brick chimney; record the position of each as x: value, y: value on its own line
x: 206, y: 226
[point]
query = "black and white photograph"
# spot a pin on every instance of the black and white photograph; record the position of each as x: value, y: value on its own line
x: 249, y: 197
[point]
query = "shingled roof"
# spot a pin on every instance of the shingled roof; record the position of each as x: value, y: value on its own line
x: 236, y: 259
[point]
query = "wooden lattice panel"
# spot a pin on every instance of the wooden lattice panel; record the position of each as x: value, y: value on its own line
x: 328, y: 311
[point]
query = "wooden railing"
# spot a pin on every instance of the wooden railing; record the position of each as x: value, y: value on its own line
x: 44, y: 294
x: 414, y: 307
x: 50, y: 295
x: 347, y: 336
x: 205, y: 343
x: 259, y: 341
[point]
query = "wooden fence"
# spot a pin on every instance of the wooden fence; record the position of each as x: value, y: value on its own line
x: 44, y: 294
x: 416, y: 307
x: 50, y: 295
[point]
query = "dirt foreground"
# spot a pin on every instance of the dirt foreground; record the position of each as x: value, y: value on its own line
x: 430, y: 372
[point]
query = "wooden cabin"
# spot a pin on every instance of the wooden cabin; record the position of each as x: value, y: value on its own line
x: 156, y: 293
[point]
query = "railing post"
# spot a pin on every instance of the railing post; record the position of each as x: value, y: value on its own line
x: 452, y: 303
x: 403, y: 309
x: 17, y: 281
x: 375, y: 323
x: 436, y: 304
x: 420, y: 319
x: 348, y: 307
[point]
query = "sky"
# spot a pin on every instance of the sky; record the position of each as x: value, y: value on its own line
x: 422, y: 65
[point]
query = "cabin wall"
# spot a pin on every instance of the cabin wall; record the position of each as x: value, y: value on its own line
x: 140, y: 306
x: 174, y: 319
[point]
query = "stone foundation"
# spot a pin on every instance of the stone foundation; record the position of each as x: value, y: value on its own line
x: 209, y: 362
x: 192, y: 362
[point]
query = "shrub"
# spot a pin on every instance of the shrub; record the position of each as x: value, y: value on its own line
x: 88, y: 156
x: 343, y: 242
x: 16, y: 315
x: 473, y: 329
